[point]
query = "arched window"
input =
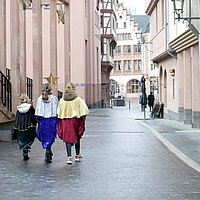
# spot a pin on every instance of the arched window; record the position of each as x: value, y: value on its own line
x: 133, y: 86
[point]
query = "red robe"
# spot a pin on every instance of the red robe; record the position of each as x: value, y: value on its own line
x: 72, y: 129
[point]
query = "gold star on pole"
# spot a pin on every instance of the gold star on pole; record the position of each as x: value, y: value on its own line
x: 51, y: 79
x: 61, y: 15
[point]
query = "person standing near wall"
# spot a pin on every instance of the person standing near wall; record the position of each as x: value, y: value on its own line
x: 25, y: 125
x: 151, y: 100
x: 72, y: 111
x: 46, y: 114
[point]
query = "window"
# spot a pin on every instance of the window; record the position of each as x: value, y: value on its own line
x: 137, y: 64
x: 133, y: 86
x: 119, y: 65
x: 129, y: 48
x: 125, y: 49
x: 120, y: 36
x: 137, y: 48
x: 127, y: 65
x: 124, y: 24
x: 118, y: 49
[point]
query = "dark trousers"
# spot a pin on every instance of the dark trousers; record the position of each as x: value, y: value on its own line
x: 69, y: 148
x: 151, y: 108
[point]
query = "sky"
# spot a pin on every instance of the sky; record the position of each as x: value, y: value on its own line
x: 136, y: 6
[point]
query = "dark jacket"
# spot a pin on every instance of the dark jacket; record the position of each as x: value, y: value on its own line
x: 151, y: 100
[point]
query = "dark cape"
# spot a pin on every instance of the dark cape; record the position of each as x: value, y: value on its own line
x: 25, y: 128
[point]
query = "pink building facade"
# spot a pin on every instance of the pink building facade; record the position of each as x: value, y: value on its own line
x: 132, y: 59
x: 176, y: 53
x: 43, y: 37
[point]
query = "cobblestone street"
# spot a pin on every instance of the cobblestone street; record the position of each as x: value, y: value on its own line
x: 121, y: 160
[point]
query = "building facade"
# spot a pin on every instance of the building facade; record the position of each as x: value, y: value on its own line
x: 41, y: 37
x: 176, y: 53
x: 108, y: 43
x: 132, y: 59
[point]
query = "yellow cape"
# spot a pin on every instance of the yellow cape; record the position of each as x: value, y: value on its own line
x: 71, y: 109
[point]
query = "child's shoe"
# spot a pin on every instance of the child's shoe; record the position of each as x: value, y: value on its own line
x: 78, y: 158
x: 25, y: 154
x: 69, y: 160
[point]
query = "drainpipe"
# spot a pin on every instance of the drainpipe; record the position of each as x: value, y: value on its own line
x: 165, y: 24
x: 199, y: 36
x: 165, y: 33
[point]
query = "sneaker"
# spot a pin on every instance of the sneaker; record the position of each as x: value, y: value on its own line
x: 69, y: 160
x: 78, y: 158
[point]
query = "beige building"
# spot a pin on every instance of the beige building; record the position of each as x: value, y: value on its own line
x: 176, y: 53
x: 40, y: 37
x: 132, y: 59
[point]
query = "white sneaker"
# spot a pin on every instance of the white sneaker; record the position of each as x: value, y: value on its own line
x: 69, y: 160
x: 78, y: 158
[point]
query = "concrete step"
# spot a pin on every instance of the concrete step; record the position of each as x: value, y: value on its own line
x: 6, y: 130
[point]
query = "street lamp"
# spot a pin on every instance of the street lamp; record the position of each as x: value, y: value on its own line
x: 139, y: 37
x: 143, y: 95
x: 179, y: 10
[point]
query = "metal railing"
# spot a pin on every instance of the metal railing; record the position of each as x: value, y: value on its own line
x: 5, y: 92
x: 29, y: 87
x: 60, y: 94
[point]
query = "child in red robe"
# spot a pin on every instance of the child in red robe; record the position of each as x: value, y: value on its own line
x: 72, y: 111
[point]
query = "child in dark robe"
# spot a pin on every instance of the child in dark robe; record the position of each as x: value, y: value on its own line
x: 25, y: 125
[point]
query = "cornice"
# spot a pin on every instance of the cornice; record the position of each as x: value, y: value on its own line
x: 183, y: 41
x: 151, y: 6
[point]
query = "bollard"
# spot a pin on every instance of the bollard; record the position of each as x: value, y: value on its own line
x: 129, y: 105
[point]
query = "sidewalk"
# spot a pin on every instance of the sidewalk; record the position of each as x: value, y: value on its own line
x: 181, y: 139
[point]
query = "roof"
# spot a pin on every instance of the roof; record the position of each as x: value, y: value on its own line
x: 143, y: 22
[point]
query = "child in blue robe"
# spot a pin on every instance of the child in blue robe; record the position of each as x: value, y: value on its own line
x: 46, y: 114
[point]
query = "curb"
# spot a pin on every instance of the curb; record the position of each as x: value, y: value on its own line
x: 173, y: 149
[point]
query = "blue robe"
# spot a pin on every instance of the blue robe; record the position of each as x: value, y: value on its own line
x: 46, y: 114
x: 47, y: 129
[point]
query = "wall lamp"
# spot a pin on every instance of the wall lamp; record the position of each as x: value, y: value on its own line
x: 140, y: 38
x: 179, y: 10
